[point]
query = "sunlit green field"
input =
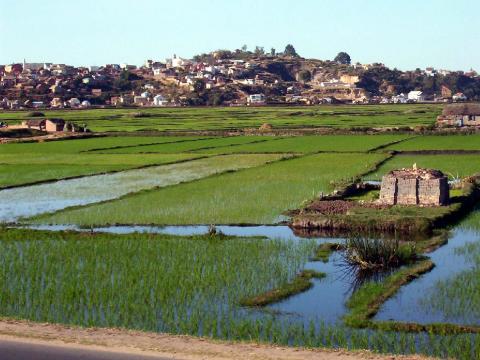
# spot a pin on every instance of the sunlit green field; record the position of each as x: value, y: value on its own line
x: 258, y: 195
x: 32, y: 168
x: 452, y: 165
x: 80, y: 145
x: 439, y: 142
x: 216, y: 145
x: 311, y: 144
x: 187, y: 119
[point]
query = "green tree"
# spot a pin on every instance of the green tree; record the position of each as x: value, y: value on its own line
x: 259, y: 50
x: 198, y: 86
x: 342, y: 58
x: 273, y: 51
x: 290, y: 51
x: 304, y: 76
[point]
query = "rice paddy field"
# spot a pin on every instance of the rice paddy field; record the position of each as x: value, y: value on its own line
x: 435, y: 142
x: 254, y: 196
x: 157, y: 265
x: 454, y: 165
x: 187, y: 119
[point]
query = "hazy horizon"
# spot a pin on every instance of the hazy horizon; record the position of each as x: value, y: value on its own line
x: 406, y: 36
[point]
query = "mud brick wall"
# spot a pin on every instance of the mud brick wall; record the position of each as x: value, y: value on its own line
x: 388, y: 190
x: 433, y: 191
x: 407, y: 191
x: 414, y: 191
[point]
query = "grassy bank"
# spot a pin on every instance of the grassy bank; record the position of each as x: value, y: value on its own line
x: 299, y: 284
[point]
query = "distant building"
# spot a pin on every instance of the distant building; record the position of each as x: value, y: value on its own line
x: 54, y: 125
x: 414, y: 186
x: 460, y: 115
x: 446, y: 92
x: 459, y: 97
x: 140, y: 100
x: 74, y: 102
x: 416, y: 96
x: 400, y: 99
x: 160, y: 100
x: 256, y: 99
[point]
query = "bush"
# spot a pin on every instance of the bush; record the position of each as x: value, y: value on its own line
x: 369, y: 253
x: 139, y: 115
x: 34, y: 114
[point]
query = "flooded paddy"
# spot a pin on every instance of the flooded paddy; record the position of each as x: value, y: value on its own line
x: 33, y: 200
x: 448, y: 293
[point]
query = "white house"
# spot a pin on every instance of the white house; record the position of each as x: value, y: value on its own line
x: 399, y: 99
x: 416, y: 96
x: 160, y: 100
x: 256, y: 99
x: 74, y: 102
x: 459, y: 97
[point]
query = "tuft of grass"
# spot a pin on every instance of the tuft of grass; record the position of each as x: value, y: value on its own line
x: 367, y: 253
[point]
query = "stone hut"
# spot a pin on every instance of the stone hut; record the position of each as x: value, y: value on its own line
x: 414, y: 186
x: 460, y: 115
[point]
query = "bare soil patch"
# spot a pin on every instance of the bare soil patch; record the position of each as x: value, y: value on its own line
x: 174, y: 346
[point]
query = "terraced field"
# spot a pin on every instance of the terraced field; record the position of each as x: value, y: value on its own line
x: 187, y: 119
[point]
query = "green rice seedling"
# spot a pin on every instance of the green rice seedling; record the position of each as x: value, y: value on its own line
x: 258, y: 195
x: 461, y: 165
x: 188, y: 119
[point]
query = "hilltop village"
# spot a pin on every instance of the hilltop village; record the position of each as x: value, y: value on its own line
x: 229, y: 78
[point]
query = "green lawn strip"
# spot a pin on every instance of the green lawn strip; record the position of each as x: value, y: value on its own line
x: 438, y: 142
x: 79, y: 145
x: 454, y: 165
x: 39, y: 168
x: 316, y: 143
x: 258, y: 195
x: 226, y: 118
x: 300, y: 283
x: 187, y: 146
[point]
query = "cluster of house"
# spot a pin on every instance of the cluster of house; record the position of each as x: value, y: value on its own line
x: 460, y: 115
x: 168, y: 83
x: 52, y: 125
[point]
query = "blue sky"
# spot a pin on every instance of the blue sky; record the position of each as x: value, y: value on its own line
x: 404, y: 34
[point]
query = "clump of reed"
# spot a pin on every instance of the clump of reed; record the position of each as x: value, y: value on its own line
x: 367, y: 253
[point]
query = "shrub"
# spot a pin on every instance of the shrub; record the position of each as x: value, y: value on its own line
x: 369, y: 253
x: 35, y: 114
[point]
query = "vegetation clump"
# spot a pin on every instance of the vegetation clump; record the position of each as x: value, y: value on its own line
x: 369, y: 253
x: 34, y: 114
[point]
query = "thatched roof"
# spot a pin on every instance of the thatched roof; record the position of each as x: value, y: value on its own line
x: 461, y: 109
x: 416, y: 173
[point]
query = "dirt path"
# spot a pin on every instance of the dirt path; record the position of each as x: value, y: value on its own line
x: 169, y: 346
